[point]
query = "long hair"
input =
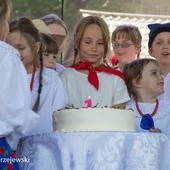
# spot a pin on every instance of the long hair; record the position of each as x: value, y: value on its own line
x: 32, y: 35
x: 80, y: 28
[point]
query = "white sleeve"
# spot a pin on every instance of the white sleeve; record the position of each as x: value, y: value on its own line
x: 15, y: 97
x: 166, y: 88
x: 121, y: 94
x: 60, y: 99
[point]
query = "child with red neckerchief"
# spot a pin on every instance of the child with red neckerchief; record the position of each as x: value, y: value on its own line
x: 91, y: 76
x: 145, y: 83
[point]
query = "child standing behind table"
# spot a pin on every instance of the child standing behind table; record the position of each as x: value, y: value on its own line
x: 145, y: 83
x: 49, y: 47
x: 126, y: 43
x: 90, y: 77
x: 59, y: 32
x: 49, y: 52
x: 48, y: 93
x: 159, y: 48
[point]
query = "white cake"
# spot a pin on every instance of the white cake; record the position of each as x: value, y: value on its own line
x: 94, y: 119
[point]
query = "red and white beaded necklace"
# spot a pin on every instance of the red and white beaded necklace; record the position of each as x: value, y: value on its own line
x: 154, y: 111
x: 32, y: 78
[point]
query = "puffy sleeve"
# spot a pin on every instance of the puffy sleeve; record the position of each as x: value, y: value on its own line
x: 15, y: 113
x: 121, y: 94
x: 59, y: 90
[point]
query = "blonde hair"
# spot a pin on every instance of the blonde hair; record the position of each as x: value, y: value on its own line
x: 130, y: 32
x: 89, y: 21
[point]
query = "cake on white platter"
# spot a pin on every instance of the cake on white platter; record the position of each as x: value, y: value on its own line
x: 93, y: 119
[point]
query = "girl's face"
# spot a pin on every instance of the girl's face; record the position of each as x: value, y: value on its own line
x: 92, y: 45
x: 152, y: 81
x: 161, y: 49
x: 125, y: 50
x: 49, y: 60
x: 17, y: 40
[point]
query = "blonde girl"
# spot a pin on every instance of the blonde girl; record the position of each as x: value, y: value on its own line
x: 90, y: 76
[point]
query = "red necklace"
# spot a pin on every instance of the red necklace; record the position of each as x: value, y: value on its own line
x: 32, y: 78
x: 154, y: 111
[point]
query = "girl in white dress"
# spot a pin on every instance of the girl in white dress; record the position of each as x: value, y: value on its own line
x: 16, y: 117
x: 48, y: 93
x: 145, y: 83
x: 89, y: 76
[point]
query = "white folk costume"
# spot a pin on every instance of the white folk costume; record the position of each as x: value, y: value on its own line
x: 111, y: 91
x: 53, y: 97
x: 166, y: 94
x: 59, y: 68
x: 161, y: 118
x: 16, y: 117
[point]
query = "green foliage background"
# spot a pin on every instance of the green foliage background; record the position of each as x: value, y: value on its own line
x: 38, y: 8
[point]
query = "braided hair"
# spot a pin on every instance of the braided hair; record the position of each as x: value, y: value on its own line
x: 32, y: 35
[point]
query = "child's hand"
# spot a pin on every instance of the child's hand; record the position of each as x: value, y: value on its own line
x: 155, y: 130
x: 119, y: 106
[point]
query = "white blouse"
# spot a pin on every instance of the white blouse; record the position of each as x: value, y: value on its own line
x: 166, y: 94
x: 16, y: 117
x: 112, y: 89
x: 161, y: 118
x: 52, y: 98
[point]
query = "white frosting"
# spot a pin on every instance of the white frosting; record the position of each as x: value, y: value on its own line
x: 94, y: 119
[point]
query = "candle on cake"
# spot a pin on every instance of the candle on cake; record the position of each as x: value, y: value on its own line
x: 89, y: 102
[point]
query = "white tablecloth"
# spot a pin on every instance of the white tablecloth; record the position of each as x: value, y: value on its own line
x: 96, y: 151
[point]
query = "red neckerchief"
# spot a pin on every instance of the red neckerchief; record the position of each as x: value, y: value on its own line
x: 32, y: 78
x: 92, y: 77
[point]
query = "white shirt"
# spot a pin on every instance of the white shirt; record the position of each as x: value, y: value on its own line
x: 112, y: 89
x: 16, y: 117
x: 52, y: 98
x: 166, y: 94
x: 59, y: 68
x: 161, y: 118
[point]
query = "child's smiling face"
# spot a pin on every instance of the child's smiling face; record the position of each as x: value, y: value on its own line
x: 126, y: 51
x: 92, y: 45
x: 160, y: 49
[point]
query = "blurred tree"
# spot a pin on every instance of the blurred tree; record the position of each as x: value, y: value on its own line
x: 35, y: 9
x: 70, y: 10
x: 38, y: 8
